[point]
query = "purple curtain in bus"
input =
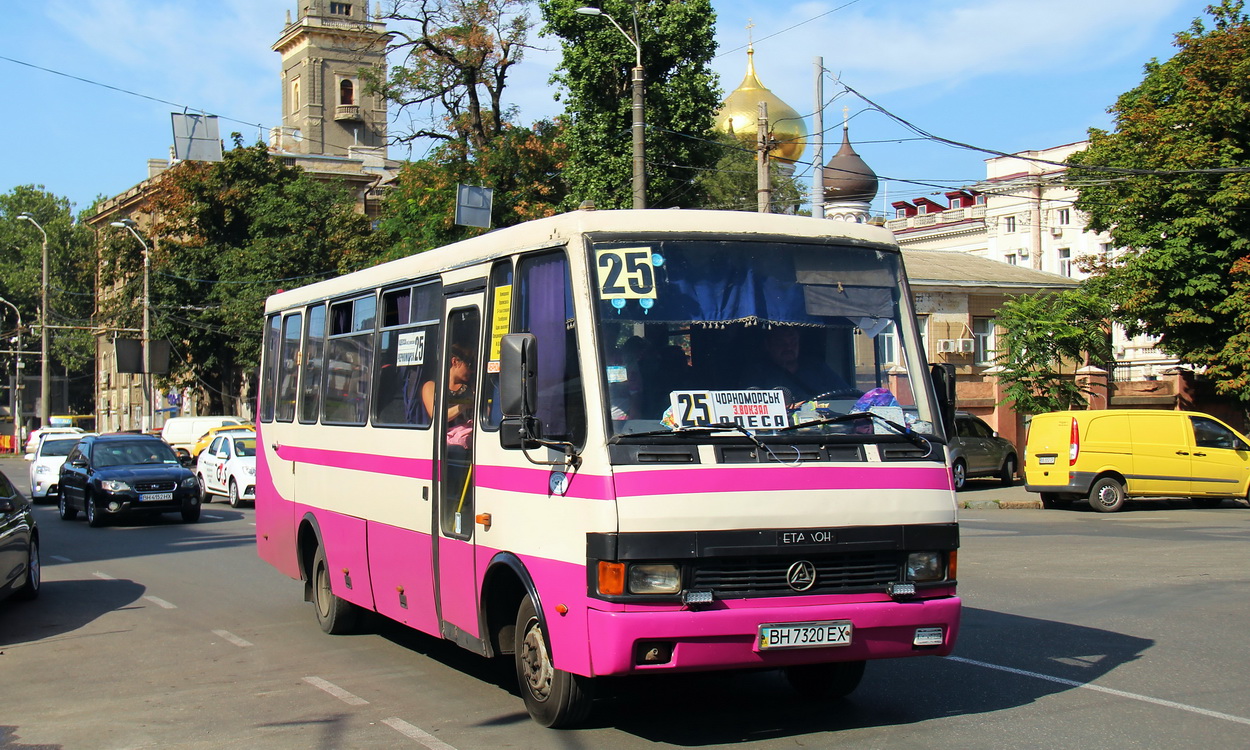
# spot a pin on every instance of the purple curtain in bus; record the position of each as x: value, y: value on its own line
x: 546, y: 316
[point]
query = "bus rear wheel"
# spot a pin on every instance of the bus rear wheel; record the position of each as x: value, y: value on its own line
x: 825, y: 681
x: 336, y: 616
x: 553, y: 697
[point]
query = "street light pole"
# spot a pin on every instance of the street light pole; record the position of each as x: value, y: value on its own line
x: 129, y: 224
x: 639, y: 128
x: 17, y: 383
x: 45, y: 376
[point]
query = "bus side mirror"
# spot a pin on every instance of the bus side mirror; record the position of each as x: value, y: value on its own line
x: 943, y: 378
x: 518, y: 374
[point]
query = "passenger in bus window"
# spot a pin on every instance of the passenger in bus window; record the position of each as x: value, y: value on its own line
x: 460, y: 398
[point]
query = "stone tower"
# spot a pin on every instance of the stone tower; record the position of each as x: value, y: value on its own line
x: 325, y: 110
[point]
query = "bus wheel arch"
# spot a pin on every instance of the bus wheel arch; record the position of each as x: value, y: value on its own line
x: 307, y: 542
x: 506, y: 584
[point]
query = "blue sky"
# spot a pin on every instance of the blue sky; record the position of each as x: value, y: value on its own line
x: 1007, y: 75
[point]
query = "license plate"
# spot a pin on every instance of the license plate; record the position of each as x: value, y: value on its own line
x: 805, y: 634
x: 156, y: 497
x: 928, y: 637
x: 1045, y: 460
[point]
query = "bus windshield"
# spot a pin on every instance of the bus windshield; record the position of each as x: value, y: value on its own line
x: 763, y: 335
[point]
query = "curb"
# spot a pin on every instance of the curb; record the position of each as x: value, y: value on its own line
x: 1001, y: 504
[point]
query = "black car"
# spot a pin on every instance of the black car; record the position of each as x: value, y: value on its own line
x: 19, y: 544
x: 125, y: 473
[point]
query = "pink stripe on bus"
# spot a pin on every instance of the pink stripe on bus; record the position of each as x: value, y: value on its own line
x: 419, y: 468
x: 877, y: 477
x: 538, y: 482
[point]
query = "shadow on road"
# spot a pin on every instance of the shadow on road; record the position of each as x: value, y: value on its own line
x: 62, y: 608
x: 9, y: 741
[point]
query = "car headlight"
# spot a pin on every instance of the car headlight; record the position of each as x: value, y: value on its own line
x: 654, y: 578
x: 925, y: 566
x: 114, y: 485
x: 41, y: 469
x: 189, y: 483
x: 249, y: 470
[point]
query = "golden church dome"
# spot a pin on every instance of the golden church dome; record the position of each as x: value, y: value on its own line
x: 739, y: 114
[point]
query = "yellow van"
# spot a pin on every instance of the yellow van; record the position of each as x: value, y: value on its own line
x: 1107, y: 456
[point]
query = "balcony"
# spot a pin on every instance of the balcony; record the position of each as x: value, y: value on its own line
x: 348, y: 112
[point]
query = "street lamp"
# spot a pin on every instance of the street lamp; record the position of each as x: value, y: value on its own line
x: 640, y: 159
x: 17, y: 382
x: 130, y: 225
x: 45, y: 378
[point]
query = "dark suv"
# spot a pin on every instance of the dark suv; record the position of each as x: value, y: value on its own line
x: 125, y: 473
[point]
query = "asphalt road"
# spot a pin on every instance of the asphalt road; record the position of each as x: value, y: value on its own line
x: 1080, y: 630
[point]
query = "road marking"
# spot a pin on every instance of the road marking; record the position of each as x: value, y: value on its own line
x: 160, y: 602
x: 218, y: 518
x: 236, y: 640
x: 58, y: 558
x: 1107, y: 690
x: 336, y: 691
x: 105, y: 576
x: 416, y: 733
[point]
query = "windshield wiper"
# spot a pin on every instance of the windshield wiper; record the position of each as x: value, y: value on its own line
x: 699, y: 429
x: 912, y: 436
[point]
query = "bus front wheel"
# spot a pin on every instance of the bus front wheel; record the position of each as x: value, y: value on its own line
x: 553, y: 697
x: 336, y: 616
x: 825, y: 681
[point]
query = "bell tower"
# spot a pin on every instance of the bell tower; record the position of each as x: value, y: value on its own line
x: 325, y: 110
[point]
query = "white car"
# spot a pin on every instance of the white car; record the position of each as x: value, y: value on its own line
x: 45, y: 463
x: 32, y: 440
x: 228, y: 467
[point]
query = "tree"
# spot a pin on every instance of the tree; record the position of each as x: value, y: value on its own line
x: 1171, y: 183
x: 229, y: 234
x: 523, y: 165
x: 682, y: 95
x: 733, y: 183
x: 456, y: 57
x: 1044, y: 334
x: 71, y: 265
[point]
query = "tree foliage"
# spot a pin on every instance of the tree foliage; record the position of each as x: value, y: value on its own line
x: 682, y: 94
x: 523, y: 165
x: 71, y: 268
x: 456, y: 56
x: 228, y: 235
x: 1183, y: 213
x: 1044, y: 337
x: 733, y: 184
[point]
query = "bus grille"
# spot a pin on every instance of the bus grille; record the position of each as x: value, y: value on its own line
x: 743, y: 578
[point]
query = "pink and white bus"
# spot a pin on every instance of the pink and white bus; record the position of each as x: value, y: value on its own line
x: 613, y: 443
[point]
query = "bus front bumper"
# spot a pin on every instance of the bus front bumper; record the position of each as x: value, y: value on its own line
x: 728, y: 638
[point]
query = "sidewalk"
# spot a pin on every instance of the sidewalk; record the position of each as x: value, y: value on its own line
x: 983, y: 494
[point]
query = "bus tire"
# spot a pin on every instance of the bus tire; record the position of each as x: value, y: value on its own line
x: 1106, y: 495
x: 335, y: 616
x: 825, y: 681
x: 553, y: 697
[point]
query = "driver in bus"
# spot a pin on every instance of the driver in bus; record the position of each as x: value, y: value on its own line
x: 784, y: 368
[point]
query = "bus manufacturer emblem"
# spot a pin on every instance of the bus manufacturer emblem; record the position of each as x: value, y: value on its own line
x: 801, y: 576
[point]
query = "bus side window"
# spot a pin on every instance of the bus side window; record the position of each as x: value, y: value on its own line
x: 407, y: 354
x: 314, y: 353
x: 269, y: 374
x: 544, y: 307
x: 288, y: 367
x: 499, y: 306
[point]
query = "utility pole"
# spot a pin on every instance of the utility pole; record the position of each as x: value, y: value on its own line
x: 45, y: 376
x: 818, y: 159
x: 764, y: 191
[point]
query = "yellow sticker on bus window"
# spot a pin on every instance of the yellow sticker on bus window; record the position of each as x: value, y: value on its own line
x: 501, y: 310
x: 625, y: 273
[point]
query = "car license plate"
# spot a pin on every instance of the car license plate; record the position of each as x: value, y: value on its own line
x: 1044, y: 460
x: 805, y: 634
x: 156, y: 497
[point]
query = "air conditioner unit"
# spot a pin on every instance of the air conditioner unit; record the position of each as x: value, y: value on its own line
x: 966, y: 346
x: 1056, y: 231
x: 946, y: 346
x: 1023, y: 252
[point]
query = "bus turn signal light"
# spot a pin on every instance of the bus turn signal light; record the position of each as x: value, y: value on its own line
x: 611, y: 578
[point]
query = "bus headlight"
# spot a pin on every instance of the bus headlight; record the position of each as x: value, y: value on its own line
x: 654, y: 578
x: 924, y: 566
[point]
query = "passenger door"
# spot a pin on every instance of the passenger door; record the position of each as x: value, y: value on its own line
x: 455, y: 423
x: 1219, y: 467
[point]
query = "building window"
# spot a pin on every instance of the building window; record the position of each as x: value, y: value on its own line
x: 886, y: 350
x: 295, y: 96
x: 347, y: 92
x: 1012, y: 259
x: 1064, y: 217
x: 956, y: 202
x: 900, y: 213
x: 1105, y: 248
x: 980, y: 200
x: 1065, y: 261
x: 921, y: 209
x: 922, y: 325
x: 1009, y: 224
x: 340, y: 9
x: 983, y: 336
